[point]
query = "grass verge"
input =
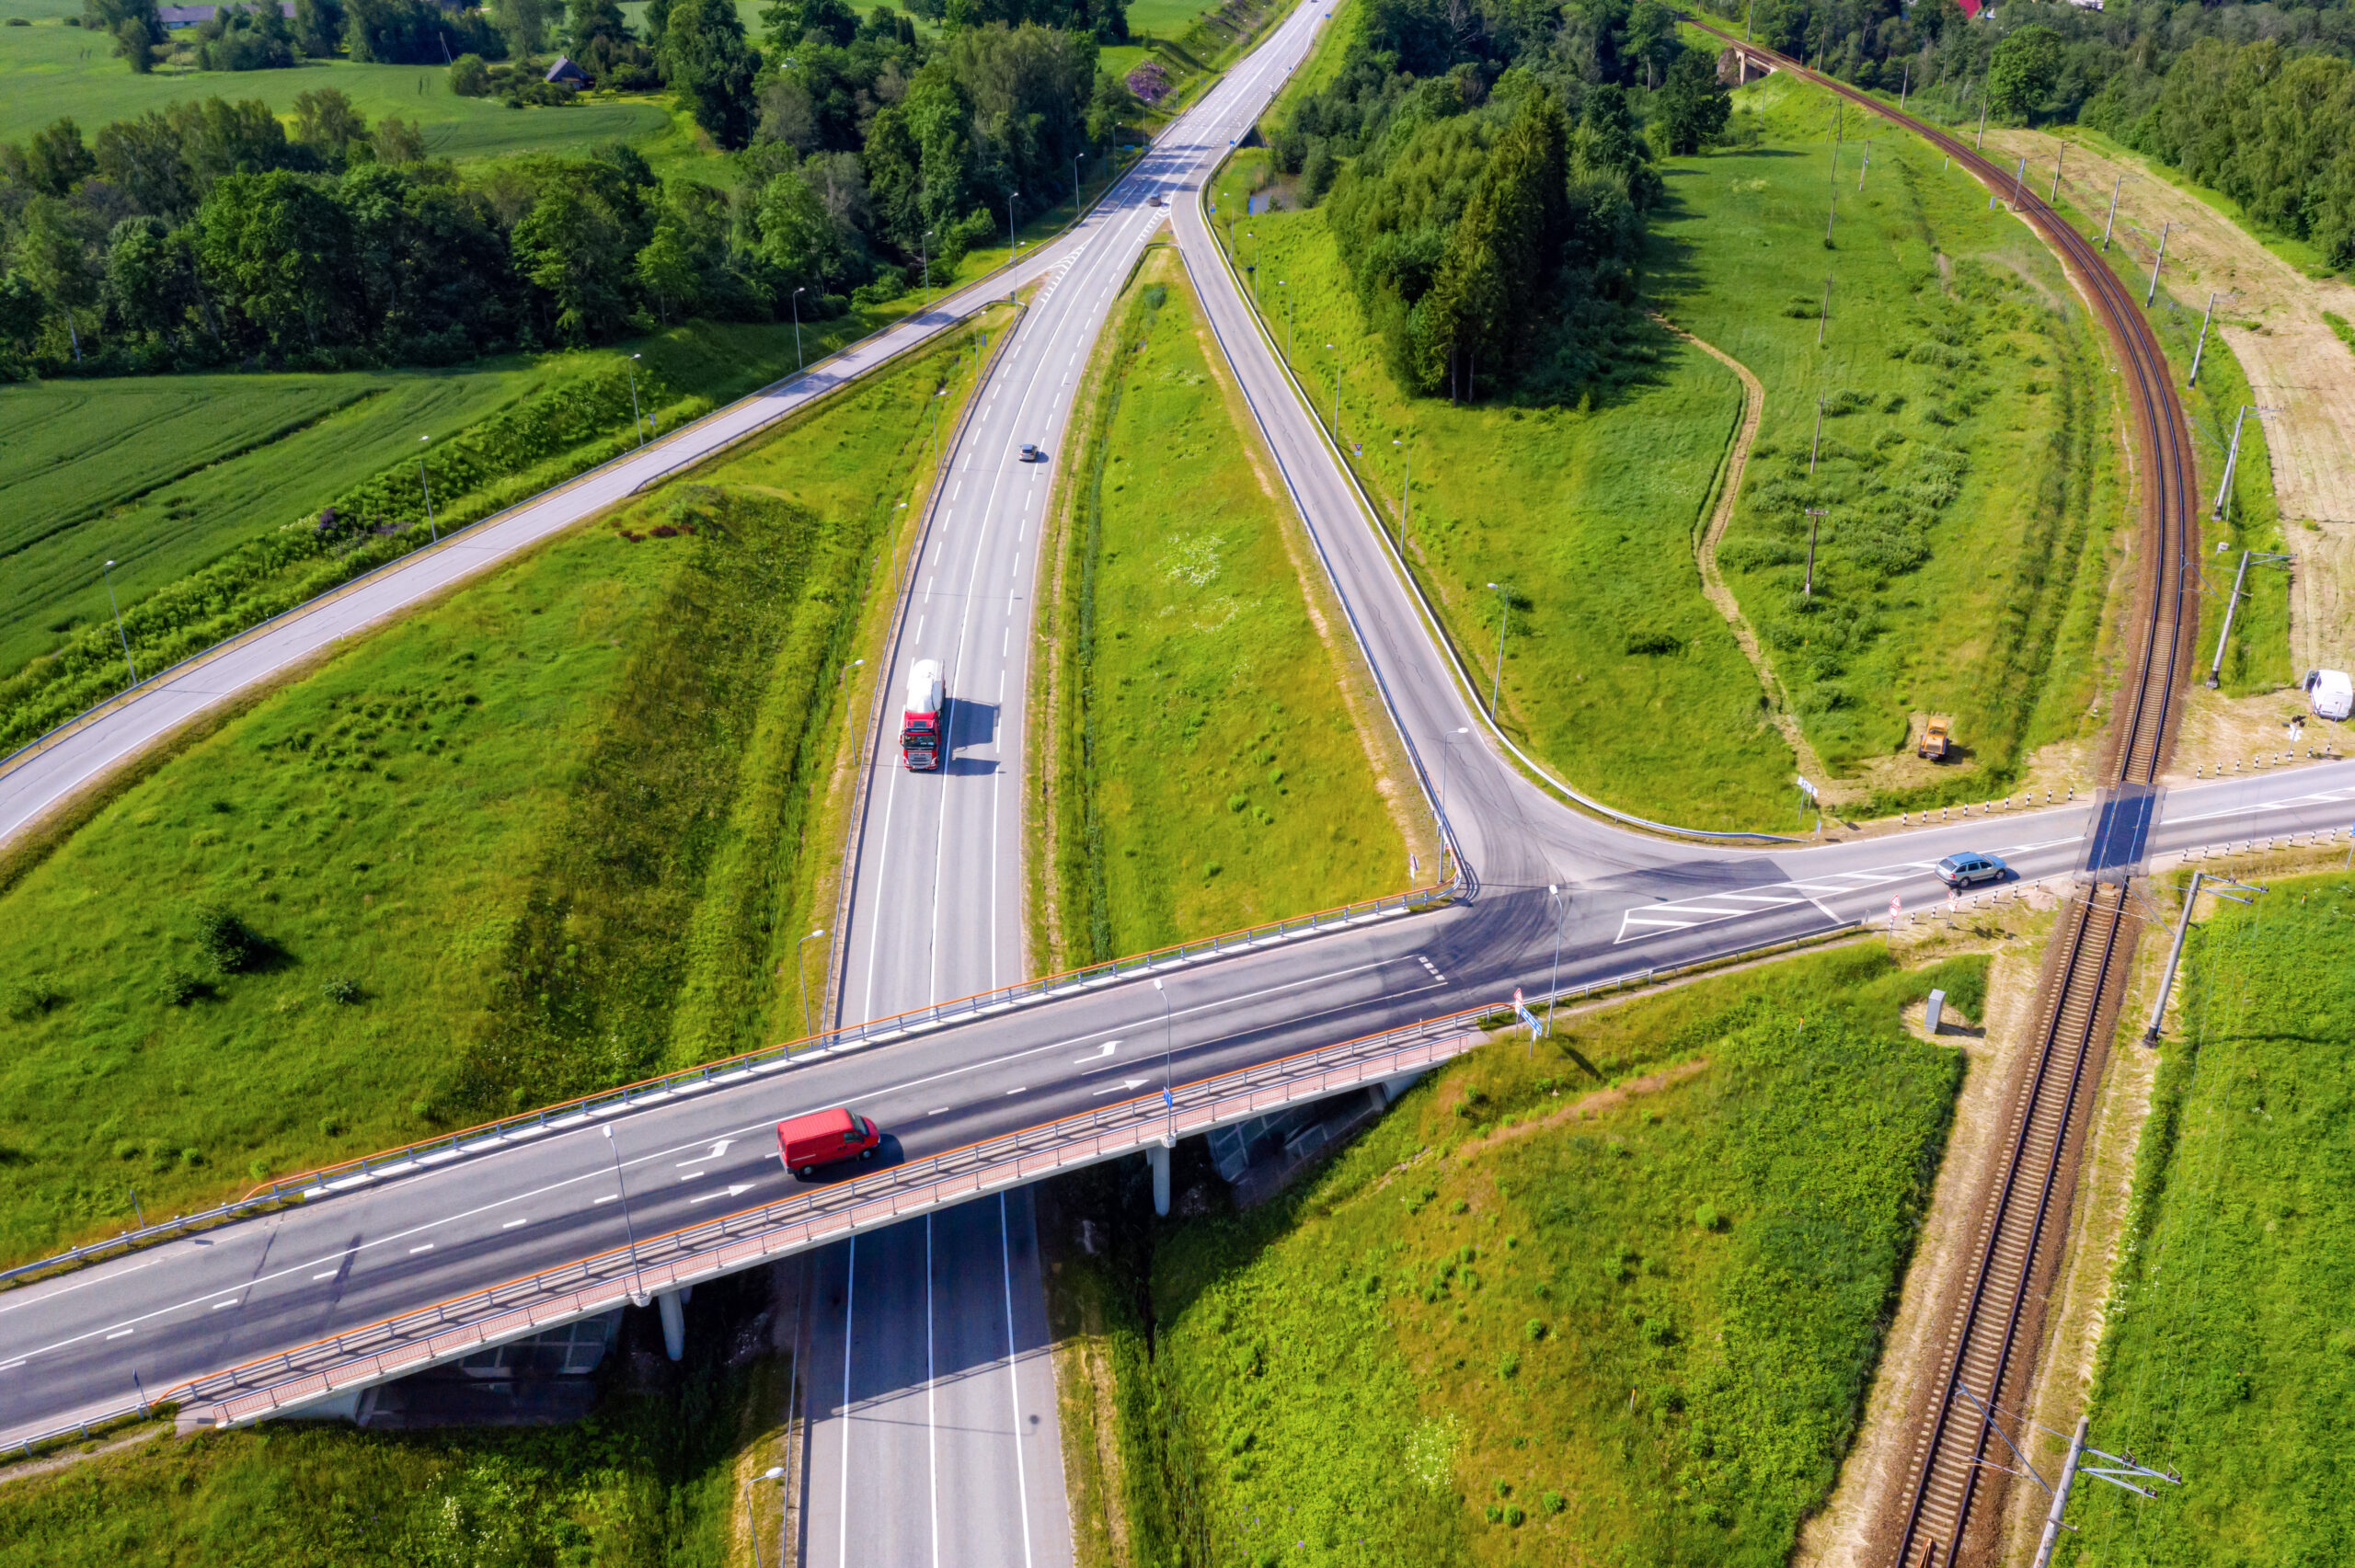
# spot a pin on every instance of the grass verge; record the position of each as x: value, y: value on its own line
x: 1617, y: 1302
x: 546, y: 834
x: 2227, y: 1355
x: 1220, y: 758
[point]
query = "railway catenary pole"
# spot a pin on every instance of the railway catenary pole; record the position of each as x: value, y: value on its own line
x: 129, y: 663
x: 2233, y: 458
x: 2116, y: 1471
x: 2157, y: 261
x: 2201, y: 348
x: 2116, y: 185
x: 2175, y: 954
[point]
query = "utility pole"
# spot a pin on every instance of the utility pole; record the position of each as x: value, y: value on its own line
x: 1554, y: 986
x: 1406, y: 494
x: 1504, y: 622
x: 1288, y: 314
x: 637, y: 419
x: 1980, y: 145
x: 2116, y: 185
x: 2233, y: 458
x: 1815, y: 516
x: 801, y: 973
x: 2054, y: 195
x: 1865, y: 168
x: 431, y: 527
x: 2156, y: 263
x: 1905, y: 86
x: 2075, y: 1466
x: 1817, y: 445
x: 2019, y: 182
x: 2166, y: 986
x: 2232, y: 605
x: 1336, y: 395
x: 629, y: 1227
x: 1823, y: 316
x: 1829, y: 217
x: 2193, y: 379
x: 107, y: 572
x: 797, y: 331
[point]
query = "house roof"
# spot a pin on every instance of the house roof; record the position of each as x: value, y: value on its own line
x: 563, y: 70
x: 189, y: 16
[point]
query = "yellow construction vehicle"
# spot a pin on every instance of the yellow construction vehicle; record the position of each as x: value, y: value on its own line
x: 1934, y: 738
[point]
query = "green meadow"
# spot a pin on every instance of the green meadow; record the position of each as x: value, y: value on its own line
x: 2229, y: 1352
x: 536, y: 837
x: 1210, y: 774
x: 1507, y: 1327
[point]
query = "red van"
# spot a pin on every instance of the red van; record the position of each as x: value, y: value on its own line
x: 823, y: 1138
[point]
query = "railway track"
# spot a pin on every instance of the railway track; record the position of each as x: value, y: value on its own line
x: 1950, y: 1509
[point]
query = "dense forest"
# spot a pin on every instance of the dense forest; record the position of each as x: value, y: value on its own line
x: 867, y: 157
x: 1487, y: 178
x: 2256, y: 101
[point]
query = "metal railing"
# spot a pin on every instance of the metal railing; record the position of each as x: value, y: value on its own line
x: 506, y: 1133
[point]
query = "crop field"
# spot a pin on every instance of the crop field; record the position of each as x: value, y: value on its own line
x: 162, y: 474
x: 1537, y: 1317
x: 2229, y: 1356
x: 296, y: 940
x: 652, y: 1477
x: 48, y: 70
x: 1963, y: 470
x: 1213, y: 775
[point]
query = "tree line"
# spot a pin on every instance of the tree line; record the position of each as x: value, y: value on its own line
x: 214, y: 234
x: 1488, y: 175
x: 2255, y: 100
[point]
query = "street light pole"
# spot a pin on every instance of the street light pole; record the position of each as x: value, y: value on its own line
x: 1336, y: 395
x: 1406, y: 492
x: 628, y: 1228
x: 636, y: 419
x: 107, y: 572
x: 801, y: 974
x: 774, y: 1472
x: 1504, y: 622
x: 1553, y: 985
x: 797, y: 331
x: 429, y: 525
x: 1013, y: 245
x: 924, y: 256
x: 1446, y: 750
x: 1168, y: 1072
x: 1291, y: 313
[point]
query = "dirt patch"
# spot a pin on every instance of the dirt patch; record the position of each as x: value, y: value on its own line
x: 1877, y: 1468
x: 75, y: 1456
x: 2293, y: 362
x: 2222, y: 737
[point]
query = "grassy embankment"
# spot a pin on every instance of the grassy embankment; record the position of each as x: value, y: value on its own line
x: 1964, y: 462
x: 1220, y: 758
x: 657, y: 1476
x: 1506, y: 1327
x: 2229, y: 1354
x: 553, y: 832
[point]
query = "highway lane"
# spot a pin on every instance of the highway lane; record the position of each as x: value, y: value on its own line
x: 966, y: 1442
x: 256, y: 1288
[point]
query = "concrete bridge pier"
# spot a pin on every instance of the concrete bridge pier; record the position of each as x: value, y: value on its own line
x: 673, y: 1305
x: 1158, y: 1158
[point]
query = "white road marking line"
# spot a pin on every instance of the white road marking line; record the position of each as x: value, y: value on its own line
x: 1106, y: 1048
x: 691, y: 1176
x: 121, y: 1334
x: 1012, y: 1092
x: 12, y: 1366
x: 222, y: 1306
x: 1013, y: 1381
x: 731, y: 1192
x: 328, y: 1274
x: 941, y: 1112
x: 1116, y: 1088
x: 426, y: 1248
x: 512, y: 1223
x: 609, y: 1198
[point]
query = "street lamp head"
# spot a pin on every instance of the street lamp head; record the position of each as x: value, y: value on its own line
x: 110, y: 565
x: 1156, y: 985
x: 774, y: 1472
x: 815, y: 934
x: 608, y: 1131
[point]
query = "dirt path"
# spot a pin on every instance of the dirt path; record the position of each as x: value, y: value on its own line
x: 1712, y: 582
x: 2293, y: 362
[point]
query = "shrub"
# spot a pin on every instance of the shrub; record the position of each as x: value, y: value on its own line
x: 1513, y: 1516
x: 223, y: 939
x: 343, y: 991
x: 1707, y: 1218
x: 29, y: 1000
x: 1554, y: 1501
x: 179, y: 988
x: 1533, y: 1330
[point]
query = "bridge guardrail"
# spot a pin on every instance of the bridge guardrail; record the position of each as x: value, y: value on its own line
x: 491, y: 1136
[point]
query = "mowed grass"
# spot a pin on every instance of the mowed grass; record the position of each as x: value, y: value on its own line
x: 533, y: 839
x: 1213, y: 770
x: 50, y: 70
x: 1964, y: 469
x: 2230, y: 1353
x: 1588, y: 512
x: 1505, y: 1329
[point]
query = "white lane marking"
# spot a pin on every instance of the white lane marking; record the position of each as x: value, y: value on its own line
x: 1106, y: 1048
x: 426, y: 1248
x: 940, y: 1112
x: 12, y: 1366
x: 1013, y: 1383
x: 1012, y: 1092
x: 222, y: 1306
x: 736, y: 1190
x: 609, y: 1198
x: 512, y: 1223
x: 691, y: 1176
x: 121, y: 1334
x: 328, y: 1274
x: 1116, y: 1088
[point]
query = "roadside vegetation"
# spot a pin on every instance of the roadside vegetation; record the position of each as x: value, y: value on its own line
x: 1616, y: 1298
x: 1216, y: 738
x: 2228, y: 1357
x: 542, y: 836
x: 1963, y: 470
x: 656, y: 1475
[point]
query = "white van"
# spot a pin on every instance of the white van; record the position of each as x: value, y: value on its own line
x: 2331, y: 692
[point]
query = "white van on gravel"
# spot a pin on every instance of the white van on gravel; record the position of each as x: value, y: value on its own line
x: 2331, y: 692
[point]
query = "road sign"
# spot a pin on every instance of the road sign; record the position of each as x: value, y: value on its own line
x: 1805, y: 788
x: 1893, y: 908
x: 1535, y: 1029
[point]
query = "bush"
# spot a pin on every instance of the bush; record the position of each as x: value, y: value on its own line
x: 29, y: 1000
x: 179, y: 988
x: 222, y: 938
x: 469, y: 78
x: 1707, y: 1218
x: 343, y: 991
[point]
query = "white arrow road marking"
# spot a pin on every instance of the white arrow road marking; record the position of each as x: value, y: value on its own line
x: 1116, y: 1088
x: 717, y: 1150
x: 1106, y: 1048
x: 732, y: 1192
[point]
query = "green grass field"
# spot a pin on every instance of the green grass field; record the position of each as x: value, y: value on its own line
x: 1486, y: 1336
x: 48, y: 70
x: 1213, y: 778
x: 654, y: 1476
x: 562, y: 801
x: 1979, y: 463
x: 2230, y: 1355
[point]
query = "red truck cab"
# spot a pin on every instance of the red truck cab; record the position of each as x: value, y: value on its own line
x: 825, y: 1138
x: 921, y: 740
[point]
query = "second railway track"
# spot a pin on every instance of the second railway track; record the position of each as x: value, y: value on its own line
x: 1949, y: 1508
